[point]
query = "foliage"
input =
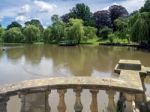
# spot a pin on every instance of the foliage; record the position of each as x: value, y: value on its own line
x: 47, y: 35
x: 14, y: 24
x: 1, y: 34
x: 57, y: 29
x: 32, y: 33
x: 140, y: 29
x: 36, y: 23
x: 117, y: 11
x: 113, y: 38
x: 13, y: 35
x: 102, y: 19
x: 90, y: 33
x: 121, y: 25
x: 146, y: 7
x: 105, y: 32
x: 80, y: 11
x: 75, y: 31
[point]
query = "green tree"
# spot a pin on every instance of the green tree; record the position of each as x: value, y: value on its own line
x: 75, y: 31
x: 47, y: 35
x: 90, y: 32
x: 32, y: 33
x: 13, y: 35
x: 14, y: 24
x: 146, y: 7
x: 121, y: 25
x: 105, y: 32
x: 1, y: 34
x: 57, y: 29
x: 140, y: 29
x: 82, y: 11
x: 36, y: 23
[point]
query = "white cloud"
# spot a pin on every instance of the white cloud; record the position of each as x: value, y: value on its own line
x: 25, y: 9
x: 21, y: 19
x: 132, y: 5
x: 44, y: 6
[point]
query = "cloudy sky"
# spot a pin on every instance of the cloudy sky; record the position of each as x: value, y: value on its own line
x: 24, y: 10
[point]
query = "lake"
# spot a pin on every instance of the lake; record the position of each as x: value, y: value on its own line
x: 24, y: 62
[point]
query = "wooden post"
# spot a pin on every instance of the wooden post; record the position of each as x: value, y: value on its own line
x: 111, y: 103
x: 78, y: 107
x: 3, y: 104
x: 61, y: 106
x: 129, y: 103
x: 94, y: 107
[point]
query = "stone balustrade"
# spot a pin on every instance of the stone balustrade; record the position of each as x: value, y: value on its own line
x: 129, y: 83
x: 42, y: 87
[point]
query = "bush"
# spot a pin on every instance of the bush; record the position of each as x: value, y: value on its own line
x: 105, y: 32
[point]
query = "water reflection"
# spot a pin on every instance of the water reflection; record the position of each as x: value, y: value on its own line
x: 36, y: 61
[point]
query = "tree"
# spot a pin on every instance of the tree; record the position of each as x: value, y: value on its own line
x: 80, y: 11
x: 65, y: 18
x: 14, y: 24
x: 36, y: 23
x: 57, y: 29
x: 13, y: 35
x: 140, y: 28
x: 146, y: 7
x: 117, y: 11
x: 90, y: 32
x: 55, y: 18
x: 75, y: 31
x: 48, y: 35
x: 1, y: 34
x: 32, y: 33
x: 121, y: 25
x: 102, y: 19
x: 105, y: 32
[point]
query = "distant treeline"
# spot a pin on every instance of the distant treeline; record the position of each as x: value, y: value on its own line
x: 80, y: 24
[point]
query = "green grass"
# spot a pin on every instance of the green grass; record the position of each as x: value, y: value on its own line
x: 94, y: 41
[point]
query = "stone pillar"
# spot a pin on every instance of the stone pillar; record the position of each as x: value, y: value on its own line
x: 37, y: 102
x: 129, y: 103
x: 78, y: 107
x: 143, y: 81
x: 61, y: 106
x: 141, y: 98
x: 111, y: 103
x: 3, y: 104
x: 94, y: 107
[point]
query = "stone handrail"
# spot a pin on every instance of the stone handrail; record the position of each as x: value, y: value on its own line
x: 94, y: 84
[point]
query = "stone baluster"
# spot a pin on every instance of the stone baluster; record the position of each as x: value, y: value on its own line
x: 78, y: 107
x: 35, y: 102
x: 3, y: 103
x: 129, y: 103
x: 111, y: 103
x: 61, y: 106
x: 93, y: 106
x: 143, y: 81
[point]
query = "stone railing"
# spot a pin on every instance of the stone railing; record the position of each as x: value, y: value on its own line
x: 43, y: 88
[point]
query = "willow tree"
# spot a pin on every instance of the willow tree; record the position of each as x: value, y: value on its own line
x: 32, y: 33
x: 75, y: 31
x: 140, y: 28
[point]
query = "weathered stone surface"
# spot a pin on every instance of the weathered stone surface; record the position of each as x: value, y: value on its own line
x: 123, y: 83
x: 3, y: 104
x: 35, y: 102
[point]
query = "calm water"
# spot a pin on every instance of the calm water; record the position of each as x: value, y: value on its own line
x: 25, y: 62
